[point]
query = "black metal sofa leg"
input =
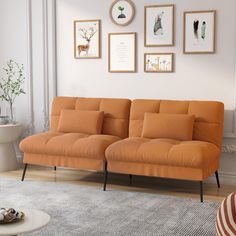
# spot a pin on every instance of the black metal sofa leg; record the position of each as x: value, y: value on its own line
x: 201, y: 191
x: 217, y: 179
x: 105, y: 176
x: 55, y: 168
x: 24, y: 171
x: 130, y: 179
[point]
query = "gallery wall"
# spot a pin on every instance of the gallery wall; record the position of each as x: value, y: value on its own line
x: 205, y: 77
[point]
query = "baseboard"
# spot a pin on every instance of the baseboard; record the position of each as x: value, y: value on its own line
x: 227, y: 178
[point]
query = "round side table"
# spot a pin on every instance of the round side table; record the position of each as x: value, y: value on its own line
x: 8, y: 134
x: 34, y: 220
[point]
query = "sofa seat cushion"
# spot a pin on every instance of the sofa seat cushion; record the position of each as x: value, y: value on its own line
x: 69, y: 144
x: 170, y: 152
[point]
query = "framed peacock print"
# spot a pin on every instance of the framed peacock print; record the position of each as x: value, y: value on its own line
x: 87, y: 39
x: 159, y: 25
x: 199, y: 32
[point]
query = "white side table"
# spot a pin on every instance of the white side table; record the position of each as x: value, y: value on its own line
x: 8, y: 134
x: 34, y: 220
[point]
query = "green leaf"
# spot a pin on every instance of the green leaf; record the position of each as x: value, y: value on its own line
x: 11, y: 85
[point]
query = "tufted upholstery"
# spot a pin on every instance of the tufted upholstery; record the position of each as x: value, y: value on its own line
x: 193, y: 154
x: 121, y: 144
x: 194, y: 160
x: 78, y: 150
x: 209, y: 117
x: 116, y: 112
x: 68, y: 144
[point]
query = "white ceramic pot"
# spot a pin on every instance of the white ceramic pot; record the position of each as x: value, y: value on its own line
x: 8, y: 134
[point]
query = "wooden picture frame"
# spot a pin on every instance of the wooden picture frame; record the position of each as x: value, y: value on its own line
x: 119, y: 16
x: 87, y: 39
x: 159, y: 25
x: 122, y: 52
x: 158, y: 62
x: 199, y: 35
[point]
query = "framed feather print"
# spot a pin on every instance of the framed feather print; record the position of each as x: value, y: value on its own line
x: 199, y: 32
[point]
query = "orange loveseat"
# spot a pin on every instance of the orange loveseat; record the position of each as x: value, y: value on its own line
x: 170, y: 139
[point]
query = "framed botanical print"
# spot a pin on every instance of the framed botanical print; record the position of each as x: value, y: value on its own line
x: 159, y: 25
x: 87, y: 39
x: 122, y: 12
x: 122, y: 52
x: 159, y: 62
x: 199, y: 32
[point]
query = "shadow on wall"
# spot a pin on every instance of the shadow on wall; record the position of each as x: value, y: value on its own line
x: 230, y: 121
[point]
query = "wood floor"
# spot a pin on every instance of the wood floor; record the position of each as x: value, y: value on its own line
x: 121, y: 182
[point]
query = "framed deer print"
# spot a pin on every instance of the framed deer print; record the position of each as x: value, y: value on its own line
x: 87, y: 39
x: 159, y: 25
x: 199, y: 32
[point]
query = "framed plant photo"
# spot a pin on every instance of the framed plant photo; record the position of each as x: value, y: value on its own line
x: 159, y: 25
x: 122, y: 52
x: 122, y: 12
x: 199, y: 32
x: 159, y: 62
x: 87, y: 39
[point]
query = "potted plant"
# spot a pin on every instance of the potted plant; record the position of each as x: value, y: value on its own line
x: 11, y: 85
x: 121, y: 9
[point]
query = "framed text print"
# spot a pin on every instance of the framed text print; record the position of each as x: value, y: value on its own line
x: 199, y: 32
x: 158, y: 62
x: 159, y: 25
x: 122, y: 12
x: 87, y: 39
x: 122, y: 52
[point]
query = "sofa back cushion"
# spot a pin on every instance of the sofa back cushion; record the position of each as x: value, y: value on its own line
x: 209, y: 117
x: 173, y: 126
x: 116, y: 112
x: 76, y: 121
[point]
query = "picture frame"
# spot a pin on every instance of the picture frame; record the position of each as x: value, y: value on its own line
x: 122, y: 12
x: 87, y: 39
x: 122, y: 52
x: 199, y: 32
x: 159, y: 25
x: 159, y: 62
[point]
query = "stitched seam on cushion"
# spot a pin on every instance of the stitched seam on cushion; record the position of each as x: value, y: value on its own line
x: 52, y: 138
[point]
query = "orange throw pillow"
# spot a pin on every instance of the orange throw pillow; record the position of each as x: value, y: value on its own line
x: 77, y: 121
x: 173, y: 126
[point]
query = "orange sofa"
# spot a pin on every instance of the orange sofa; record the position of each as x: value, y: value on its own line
x: 163, y: 138
x: 74, y: 149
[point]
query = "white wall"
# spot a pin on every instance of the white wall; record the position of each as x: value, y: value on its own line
x: 13, y: 45
x: 205, y: 77
x: 26, y: 36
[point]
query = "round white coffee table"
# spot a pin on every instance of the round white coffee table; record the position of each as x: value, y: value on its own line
x: 8, y: 134
x: 34, y: 220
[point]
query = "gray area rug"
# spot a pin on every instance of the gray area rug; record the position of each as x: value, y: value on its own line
x: 81, y: 210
